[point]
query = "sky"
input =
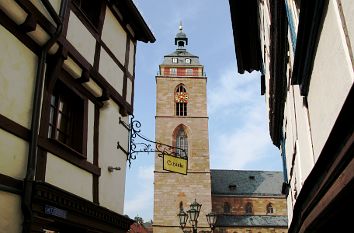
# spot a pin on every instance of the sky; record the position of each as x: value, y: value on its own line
x: 238, y: 123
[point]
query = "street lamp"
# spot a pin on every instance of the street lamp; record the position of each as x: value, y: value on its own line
x: 183, y: 217
x: 193, y: 214
x: 211, y: 218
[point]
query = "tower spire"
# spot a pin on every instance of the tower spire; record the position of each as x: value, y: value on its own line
x: 181, y: 39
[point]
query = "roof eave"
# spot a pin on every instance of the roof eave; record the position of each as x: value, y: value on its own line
x: 245, y: 25
x: 133, y: 17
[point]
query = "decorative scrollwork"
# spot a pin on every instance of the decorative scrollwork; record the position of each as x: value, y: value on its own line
x: 141, y: 144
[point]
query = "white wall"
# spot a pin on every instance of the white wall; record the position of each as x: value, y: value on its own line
x: 13, y: 155
x: 304, y: 152
x: 331, y: 80
x: 111, y: 71
x: 114, y: 36
x: 55, y: 4
x: 348, y: 11
x: 131, y: 58
x: 18, y: 66
x: 112, y: 185
x: 68, y: 177
x: 11, y: 217
x: 76, y: 32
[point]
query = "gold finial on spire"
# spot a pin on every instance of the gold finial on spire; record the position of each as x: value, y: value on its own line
x: 180, y: 26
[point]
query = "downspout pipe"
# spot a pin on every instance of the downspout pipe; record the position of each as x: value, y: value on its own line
x: 36, y: 112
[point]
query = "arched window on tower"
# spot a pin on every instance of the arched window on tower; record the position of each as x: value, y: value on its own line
x: 249, y: 208
x: 181, y: 100
x: 270, y: 208
x: 181, y: 142
x: 227, y: 208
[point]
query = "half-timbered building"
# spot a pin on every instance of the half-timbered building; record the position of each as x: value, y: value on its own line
x: 66, y: 83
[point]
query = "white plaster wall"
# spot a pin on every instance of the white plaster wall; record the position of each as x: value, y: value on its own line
x: 331, y: 80
x: 90, y: 131
x: 111, y: 71
x: 68, y: 177
x: 290, y: 209
x: 129, y: 91
x: 81, y: 38
x: 112, y: 185
x: 348, y: 10
x: 55, y: 4
x: 11, y: 217
x: 18, y: 66
x: 114, y: 36
x: 13, y: 155
x: 304, y: 138
x: 131, y: 58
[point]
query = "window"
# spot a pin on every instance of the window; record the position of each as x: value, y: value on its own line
x: 188, y: 60
x: 181, y: 206
x: 90, y: 9
x: 181, y: 142
x: 189, y: 71
x: 227, y: 207
x: 173, y: 71
x: 66, y: 117
x: 181, y: 99
x: 174, y: 60
x: 270, y: 209
x: 248, y: 208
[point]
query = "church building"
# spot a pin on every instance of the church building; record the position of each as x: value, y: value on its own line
x: 181, y: 121
x: 244, y: 201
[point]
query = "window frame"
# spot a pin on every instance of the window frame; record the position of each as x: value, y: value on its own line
x: 181, y: 108
x: 270, y: 208
x: 227, y: 208
x: 66, y: 104
x: 51, y: 144
x: 175, y: 60
x: 189, y: 71
x: 181, y: 134
x: 248, y: 208
x: 188, y: 61
x: 173, y: 71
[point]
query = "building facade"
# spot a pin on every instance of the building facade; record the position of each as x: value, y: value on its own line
x: 66, y: 83
x: 181, y: 121
x: 248, y: 201
x: 304, y: 50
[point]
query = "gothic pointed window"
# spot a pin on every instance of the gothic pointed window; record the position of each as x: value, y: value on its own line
x: 270, y: 209
x: 249, y: 208
x: 181, y: 142
x: 181, y: 100
x: 227, y: 208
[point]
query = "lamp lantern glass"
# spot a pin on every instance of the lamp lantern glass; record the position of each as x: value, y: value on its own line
x: 211, y: 218
x: 183, y: 217
x: 196, y: 206
x: 193, y: 215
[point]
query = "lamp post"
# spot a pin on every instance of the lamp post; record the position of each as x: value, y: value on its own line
x: 193, y: 214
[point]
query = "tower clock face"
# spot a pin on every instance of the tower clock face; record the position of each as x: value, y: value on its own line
x: 181, y: 97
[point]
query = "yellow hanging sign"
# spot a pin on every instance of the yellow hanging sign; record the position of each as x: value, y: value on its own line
x: 175, y: 164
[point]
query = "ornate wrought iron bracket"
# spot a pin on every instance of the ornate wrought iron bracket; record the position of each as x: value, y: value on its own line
x: 140, y: 144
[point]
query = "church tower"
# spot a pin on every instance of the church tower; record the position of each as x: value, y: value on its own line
x: 181, y: 121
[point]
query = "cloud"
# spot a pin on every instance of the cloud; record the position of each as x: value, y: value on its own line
x: 232, y: 91
x: 240, y: 137
x: 141, y: 202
